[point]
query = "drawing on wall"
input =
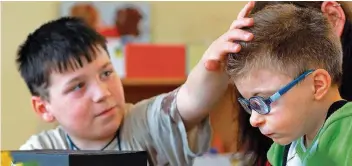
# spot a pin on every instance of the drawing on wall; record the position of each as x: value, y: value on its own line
x: 119, y: 22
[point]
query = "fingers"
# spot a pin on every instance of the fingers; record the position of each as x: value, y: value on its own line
x: 212, y: 65
x: 246, y: 10
x: 223, y: 49
x: 240, y: 23
x: 230, y: 47
x: 215, y: 62
x: 237, y: 35
x: 225, y: 44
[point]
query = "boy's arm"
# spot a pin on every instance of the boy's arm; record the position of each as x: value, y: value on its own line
x: 198, y: 96
x: 203, y: 89
x: 174, y: 127
x: 158, y: 127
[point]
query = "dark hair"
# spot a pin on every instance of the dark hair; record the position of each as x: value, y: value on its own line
x: 56, y: 46
x: 250, y: 140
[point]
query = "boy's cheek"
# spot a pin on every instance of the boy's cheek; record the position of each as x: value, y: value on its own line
x: 278, y: 118
x: 73, y: 110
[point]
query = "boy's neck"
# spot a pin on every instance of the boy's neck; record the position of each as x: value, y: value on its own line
x: 332, y: 97
x: 87, y: 144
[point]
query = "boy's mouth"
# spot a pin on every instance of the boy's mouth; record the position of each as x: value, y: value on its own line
x: 107, y: 111
x: 268, y: 134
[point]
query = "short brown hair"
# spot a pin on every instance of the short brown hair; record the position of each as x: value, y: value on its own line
x: 291, y: 40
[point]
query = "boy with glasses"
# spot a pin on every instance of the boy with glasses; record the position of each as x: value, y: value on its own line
x: 288, y: 76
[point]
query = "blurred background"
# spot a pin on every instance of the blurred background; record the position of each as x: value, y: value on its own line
x: 153, y: 46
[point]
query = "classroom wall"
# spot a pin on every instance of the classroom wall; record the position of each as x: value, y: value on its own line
x: 193, y: 23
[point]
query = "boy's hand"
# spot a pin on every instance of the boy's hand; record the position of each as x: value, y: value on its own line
x: 217, y: 53
x: 207, y: 83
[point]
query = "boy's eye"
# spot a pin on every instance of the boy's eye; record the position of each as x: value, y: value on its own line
x: 107, y: 73
x: 78, y: 87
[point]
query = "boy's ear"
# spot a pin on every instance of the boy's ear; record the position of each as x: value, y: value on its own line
x: 335, y: 14
x: 322, y: 83
x: 40, y: 108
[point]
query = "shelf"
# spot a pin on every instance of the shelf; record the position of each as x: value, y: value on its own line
x: 152, y: 81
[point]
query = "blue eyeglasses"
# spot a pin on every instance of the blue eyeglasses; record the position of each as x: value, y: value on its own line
x: 262, y: 105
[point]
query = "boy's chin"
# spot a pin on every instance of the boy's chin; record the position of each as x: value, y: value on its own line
x: 282, y: 141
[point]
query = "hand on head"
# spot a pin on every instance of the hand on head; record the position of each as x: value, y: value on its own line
x: 220, y: 48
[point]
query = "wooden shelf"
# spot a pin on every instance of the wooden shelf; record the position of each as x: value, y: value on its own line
x: 137, y: 89
x: 152, y: 81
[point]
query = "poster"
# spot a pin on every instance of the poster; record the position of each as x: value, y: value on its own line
x: 119, y: 22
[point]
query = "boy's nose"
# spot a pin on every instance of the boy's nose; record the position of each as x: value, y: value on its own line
x: 256, y: 119
x: 101, y: 92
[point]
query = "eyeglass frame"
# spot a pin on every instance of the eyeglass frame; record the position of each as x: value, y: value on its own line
x: 267, y: 101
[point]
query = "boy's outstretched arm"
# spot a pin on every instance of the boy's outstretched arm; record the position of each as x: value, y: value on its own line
x: 165, y: 125
x: 205, y: 87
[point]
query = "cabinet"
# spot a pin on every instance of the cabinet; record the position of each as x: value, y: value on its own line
x: 139, y: 89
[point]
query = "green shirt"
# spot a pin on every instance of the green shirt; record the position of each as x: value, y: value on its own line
x: 332, y: 145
